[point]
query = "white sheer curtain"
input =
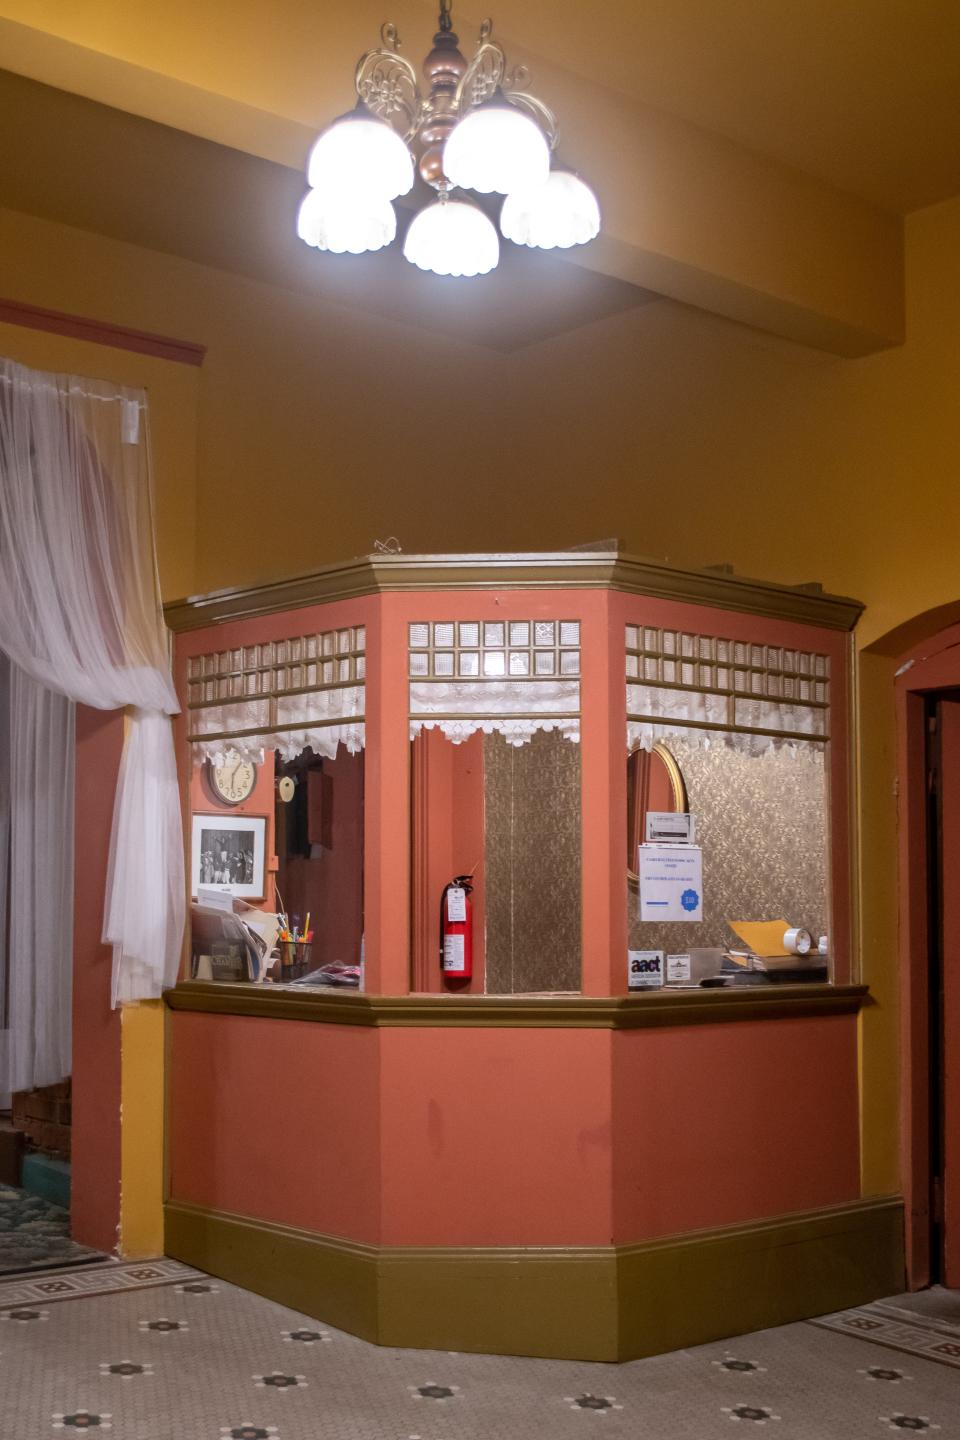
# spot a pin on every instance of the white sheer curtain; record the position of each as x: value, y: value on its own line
x: 80, y: 615
x: 37, y: 748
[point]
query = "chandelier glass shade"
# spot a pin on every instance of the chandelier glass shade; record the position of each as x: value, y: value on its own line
x: 452, y: 237
x: 496, y: 148
x: 555, y: 215
x: 474, y: 128
x: 360, y: 152
x: 346, y: 222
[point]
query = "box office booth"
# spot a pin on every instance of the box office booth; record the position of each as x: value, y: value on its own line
x: 532, y: 1157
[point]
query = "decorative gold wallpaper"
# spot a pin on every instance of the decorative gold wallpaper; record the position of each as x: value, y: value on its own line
x: 532, y: 800
x: 761, y: 820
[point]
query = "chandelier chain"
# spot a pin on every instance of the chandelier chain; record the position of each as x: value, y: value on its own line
x: 446, y: 22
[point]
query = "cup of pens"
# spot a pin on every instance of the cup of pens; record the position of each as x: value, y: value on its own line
x: 295, y: 951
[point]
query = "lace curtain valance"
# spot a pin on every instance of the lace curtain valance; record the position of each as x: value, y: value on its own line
x: 282, y: 695
x: 724, y: 692
x: 511, y: 678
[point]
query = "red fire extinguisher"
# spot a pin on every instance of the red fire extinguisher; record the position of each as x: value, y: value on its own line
x: 456, y: 929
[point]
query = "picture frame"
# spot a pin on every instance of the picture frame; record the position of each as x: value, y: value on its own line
x: 228, y: 852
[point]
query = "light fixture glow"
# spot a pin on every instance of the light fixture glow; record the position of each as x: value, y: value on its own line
x: 496, y: 148
x: 360, y: 152
x: 556, y: 215
x: 345, y: 223
x: 452, y: 237
x: 471, y: 129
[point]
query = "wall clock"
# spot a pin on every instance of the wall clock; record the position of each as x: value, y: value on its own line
x: 232, y: 780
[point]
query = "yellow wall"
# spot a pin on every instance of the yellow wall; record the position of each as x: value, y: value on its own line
x: 320, y: 428
x: 141, y: 1130
x: 172, y: 391
x: 312, y: 429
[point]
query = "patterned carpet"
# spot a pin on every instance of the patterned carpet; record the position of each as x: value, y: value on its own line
x: 157, y: 1351
x: 35, y: 1235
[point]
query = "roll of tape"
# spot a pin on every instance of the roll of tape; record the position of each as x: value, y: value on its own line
x: 797, y: 942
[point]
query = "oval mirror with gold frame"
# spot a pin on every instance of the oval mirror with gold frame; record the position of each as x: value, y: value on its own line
x: 654, y: 782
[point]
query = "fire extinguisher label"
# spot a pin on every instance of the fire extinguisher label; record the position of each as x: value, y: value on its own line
x: 456, y: 903
x: 453, y: 954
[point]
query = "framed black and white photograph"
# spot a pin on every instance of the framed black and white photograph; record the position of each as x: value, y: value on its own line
x: 228, y: 853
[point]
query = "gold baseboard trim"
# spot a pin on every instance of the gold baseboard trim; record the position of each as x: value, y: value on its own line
x: 334, y: 1280
x: 578, y: 1302
x: 711, y: 1284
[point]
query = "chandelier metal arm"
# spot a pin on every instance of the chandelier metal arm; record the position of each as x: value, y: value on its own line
x: 486, y: 75
x: 538, y: 111
x: 386, y: 82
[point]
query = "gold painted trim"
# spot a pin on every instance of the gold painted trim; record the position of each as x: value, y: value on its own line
x: 576, y: 570
x: 535, y: 1012
x: 328, y: 722
x: 561, y: 1302
x: 678, y: 785
x: 727, y: 692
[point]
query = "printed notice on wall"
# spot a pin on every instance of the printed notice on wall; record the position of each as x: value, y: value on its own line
x: 671, y: 883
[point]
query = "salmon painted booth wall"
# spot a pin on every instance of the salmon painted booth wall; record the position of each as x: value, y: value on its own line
x: 537, y: 1159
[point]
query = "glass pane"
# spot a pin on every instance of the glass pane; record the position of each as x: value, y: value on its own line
x: 761, y: 823
x: 508, y: 816
x: 319, y: 846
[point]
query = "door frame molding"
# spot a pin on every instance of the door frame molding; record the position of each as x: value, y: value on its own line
x: 930, y: 665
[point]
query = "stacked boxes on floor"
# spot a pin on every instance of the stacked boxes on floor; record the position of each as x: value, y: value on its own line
x: 43, y: 1116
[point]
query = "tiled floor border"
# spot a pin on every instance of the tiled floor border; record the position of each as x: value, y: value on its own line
x: 85, y: 1281
x: 900, y: 1330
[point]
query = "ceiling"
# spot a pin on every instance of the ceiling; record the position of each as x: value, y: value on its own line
x: 97, y: 168
x: 860, y: 94
x: 863, y: 94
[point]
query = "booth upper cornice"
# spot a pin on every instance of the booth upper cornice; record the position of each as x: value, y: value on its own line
x: 528, y: 570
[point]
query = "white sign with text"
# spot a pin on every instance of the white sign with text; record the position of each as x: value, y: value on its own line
x: 671, y: 883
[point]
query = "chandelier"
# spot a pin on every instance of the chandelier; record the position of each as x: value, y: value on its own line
x: 476, y: 129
